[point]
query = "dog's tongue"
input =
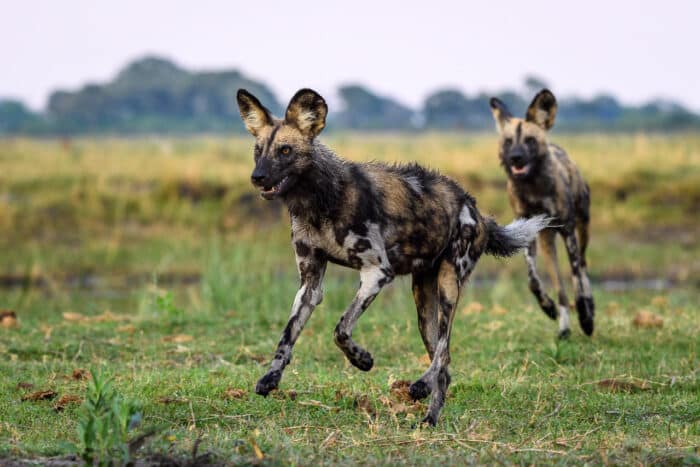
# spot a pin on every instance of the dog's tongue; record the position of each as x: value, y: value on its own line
x: 519, y: 170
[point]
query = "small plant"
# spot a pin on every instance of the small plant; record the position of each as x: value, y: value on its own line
x: 104, y: 424
x: 166, y: 304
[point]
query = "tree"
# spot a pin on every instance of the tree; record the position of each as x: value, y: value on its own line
x: 15, y: 117
x: 364, y: 110
x: 155, y: 95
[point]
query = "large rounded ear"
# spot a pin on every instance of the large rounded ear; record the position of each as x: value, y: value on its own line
x: 255, y: 116
x: 543, y: 110
x: 307, y: 111
x: 500, y: 112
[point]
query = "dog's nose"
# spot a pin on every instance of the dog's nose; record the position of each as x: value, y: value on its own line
x: 516, y: 156
x: 258, y: 177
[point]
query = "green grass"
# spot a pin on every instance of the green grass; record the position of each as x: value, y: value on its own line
x: 518, y: 395
x: 202, y: 290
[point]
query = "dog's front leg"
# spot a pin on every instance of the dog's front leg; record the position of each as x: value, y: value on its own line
x: 311, y: 269
x: 372, y: 280
x: 584, y: 299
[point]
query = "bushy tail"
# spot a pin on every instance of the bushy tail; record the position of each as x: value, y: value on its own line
x: 506, y: 241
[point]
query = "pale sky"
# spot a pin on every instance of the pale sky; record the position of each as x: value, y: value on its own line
x: 637, y: 50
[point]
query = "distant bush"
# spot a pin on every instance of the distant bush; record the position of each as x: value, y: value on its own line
x: 154, y: 95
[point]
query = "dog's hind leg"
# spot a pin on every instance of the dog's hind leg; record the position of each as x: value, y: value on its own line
x: 435, y: 379
x: 585, y: 306
x: 549, y: 252
x: 311, y: 265
x: 582, y: 233
x: 372, y: 279
x: 425, y: 294
x: 535, y: 283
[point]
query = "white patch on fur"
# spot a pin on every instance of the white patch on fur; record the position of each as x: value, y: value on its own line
x: 306, y: 119
x: 465, y: 264
x: 563, y: 318
x: 532, y: 267
x: 370, y: 278
x: 297, y: 299
x: 375, y: 255
x: 413, y: 181
x: 253, y: 121
x: 541, y: 117
x: 465, y: 217
x: 585, y: 284
x: 316, y: 296
x: 523, y: 231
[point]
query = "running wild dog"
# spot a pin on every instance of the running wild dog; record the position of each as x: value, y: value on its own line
x: 383, y: 220
x: 543, y: 180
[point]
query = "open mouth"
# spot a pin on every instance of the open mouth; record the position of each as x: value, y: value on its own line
x: 520, y: 171
x: 269, y: 192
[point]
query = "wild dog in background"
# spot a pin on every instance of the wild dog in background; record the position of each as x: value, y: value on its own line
x: 543, y: 180
x: 383, y: 220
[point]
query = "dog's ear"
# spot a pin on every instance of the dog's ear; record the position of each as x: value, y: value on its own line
x: 543, y: 110
x: 307, y: 111
x: 255, y: 116
x: 500, y: 112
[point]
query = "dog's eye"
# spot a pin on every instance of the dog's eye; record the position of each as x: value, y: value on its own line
x: 257, y: 151
x: 507, y: 142
x: 531, y: 142
x: 286, y: 150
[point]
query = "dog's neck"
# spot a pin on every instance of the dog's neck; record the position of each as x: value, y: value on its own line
x: 317, y: 194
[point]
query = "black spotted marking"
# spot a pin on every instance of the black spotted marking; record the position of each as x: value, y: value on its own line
x: 446, y: 307
x: 309, y: 272
x: 354, y: 261
x: 271, y: 139
x: 341, y: 338
x: 367, y: 301
x: 388, y: 277
x: 518, y: 132
x: 287, y: 334
x: 362, y: 245
x: 586, y: 312
x: 303, y: 250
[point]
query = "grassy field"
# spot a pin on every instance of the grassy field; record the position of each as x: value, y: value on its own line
x: 155, y: 261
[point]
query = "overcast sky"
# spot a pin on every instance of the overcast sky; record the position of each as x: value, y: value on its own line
x: 637, y: 50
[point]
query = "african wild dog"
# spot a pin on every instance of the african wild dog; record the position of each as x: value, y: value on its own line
x: 383, y: 220
x: 543, y: 180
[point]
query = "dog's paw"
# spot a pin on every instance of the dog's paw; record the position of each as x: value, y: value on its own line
x: 419, y: 390
x: 362, y: 360
x: 549, y: 308
x: 564, y: 334
x: 268, y: 383
x: 586, y: 311
x: 429, y: 420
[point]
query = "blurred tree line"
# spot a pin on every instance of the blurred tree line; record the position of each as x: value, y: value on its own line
x: 154, y: 95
